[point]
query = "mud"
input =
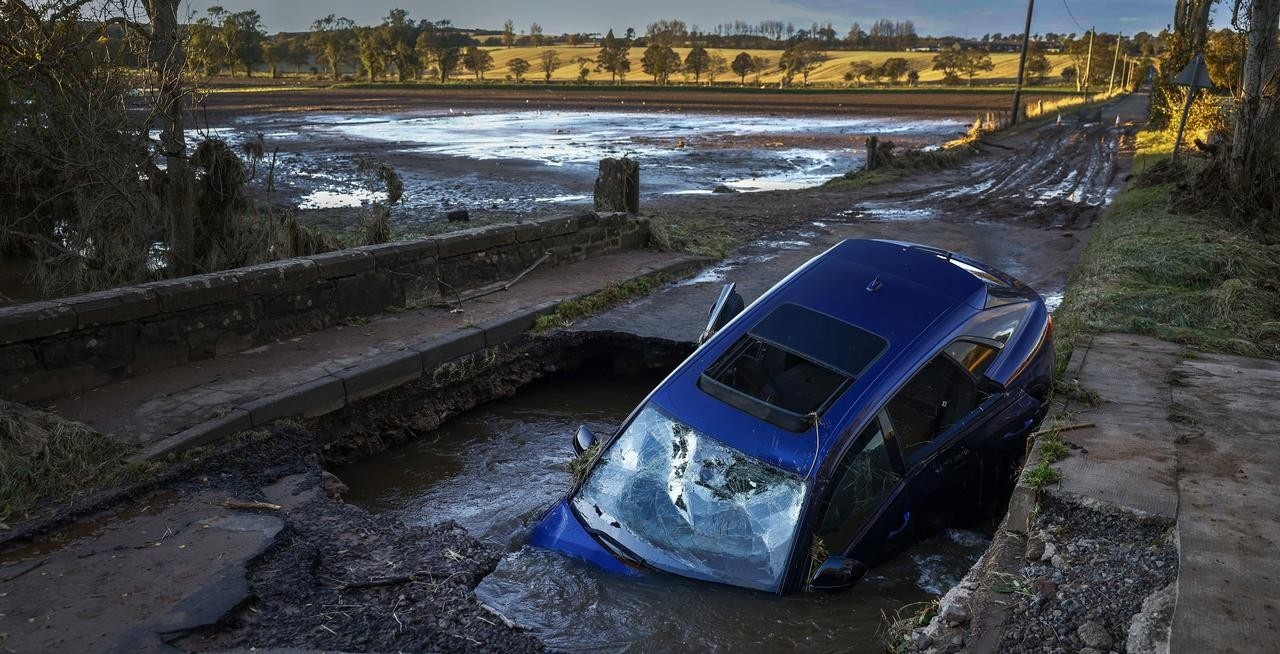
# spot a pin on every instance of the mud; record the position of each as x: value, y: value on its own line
x: 520, y: 162
x: 306, y: 590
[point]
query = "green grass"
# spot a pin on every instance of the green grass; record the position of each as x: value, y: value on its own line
x: 614, y: 294
x: 1192, y: 278
x: 1040, y: 475
x: 694, y: 233
x: 1052, y: 448
x: 45, y: 459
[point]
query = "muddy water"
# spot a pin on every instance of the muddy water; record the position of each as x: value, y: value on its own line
x: 496, y: 469
x: 534, y: 161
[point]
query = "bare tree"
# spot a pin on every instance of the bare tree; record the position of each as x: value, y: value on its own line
x: 509, y: 33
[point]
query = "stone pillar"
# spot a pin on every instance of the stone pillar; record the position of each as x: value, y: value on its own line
x: 618, y: 186
x: 873, y: 153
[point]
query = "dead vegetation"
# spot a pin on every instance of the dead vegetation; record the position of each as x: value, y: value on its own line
x: 46, y: 458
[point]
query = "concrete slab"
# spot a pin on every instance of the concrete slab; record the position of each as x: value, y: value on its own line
x: 1129, y: 459
x: 1229, y: 512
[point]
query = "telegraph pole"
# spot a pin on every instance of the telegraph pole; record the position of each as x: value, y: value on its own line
x: 1111, y: 84
x: 1022, y: 65
x: 1088, y: 65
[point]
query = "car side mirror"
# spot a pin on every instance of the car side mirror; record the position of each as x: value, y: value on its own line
x: 837, y: 573
x: 727, y: 306
x: 583, y: 440
x: 990, y: 386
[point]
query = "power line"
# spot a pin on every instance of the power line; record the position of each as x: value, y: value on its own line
x: 1073, y: 16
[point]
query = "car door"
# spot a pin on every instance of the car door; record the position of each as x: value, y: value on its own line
x: 867, y: 510
x: 935, y: 417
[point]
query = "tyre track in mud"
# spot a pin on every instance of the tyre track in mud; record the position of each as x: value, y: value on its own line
x: 1061, y: 176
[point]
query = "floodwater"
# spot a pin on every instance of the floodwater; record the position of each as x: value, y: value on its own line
x: 496, y: 469
x: 523, y: 161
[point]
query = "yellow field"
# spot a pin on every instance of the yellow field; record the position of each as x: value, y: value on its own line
x: 830, y: 73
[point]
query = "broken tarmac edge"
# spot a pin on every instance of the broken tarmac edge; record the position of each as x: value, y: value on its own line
x: 382, y: 372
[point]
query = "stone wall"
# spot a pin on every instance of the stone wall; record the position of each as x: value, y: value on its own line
x: 59, y: 347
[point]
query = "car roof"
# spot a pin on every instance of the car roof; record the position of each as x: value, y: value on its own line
x: 911, y: 296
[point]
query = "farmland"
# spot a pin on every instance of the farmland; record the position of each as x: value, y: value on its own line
x: 829, y: 73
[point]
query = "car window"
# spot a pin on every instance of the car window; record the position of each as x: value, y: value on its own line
x: 936, y: 398
x: 1001, y: 323
x: 791, y: 365
x: 862, y: 481
x: 974, y: 357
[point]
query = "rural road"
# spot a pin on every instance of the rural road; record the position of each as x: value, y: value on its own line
x: 1027, y: 207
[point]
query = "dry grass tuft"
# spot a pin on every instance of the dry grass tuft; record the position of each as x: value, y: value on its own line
x: 46, y: 458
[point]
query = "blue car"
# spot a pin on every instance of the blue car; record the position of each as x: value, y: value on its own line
x: 881, y: 391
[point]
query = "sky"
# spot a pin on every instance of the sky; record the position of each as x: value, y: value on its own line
x: 938, y: 17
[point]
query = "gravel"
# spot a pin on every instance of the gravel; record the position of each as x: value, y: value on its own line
x: 1089, y: 574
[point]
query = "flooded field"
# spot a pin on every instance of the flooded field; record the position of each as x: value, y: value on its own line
x: 497, y: 468
x: 531, y: 161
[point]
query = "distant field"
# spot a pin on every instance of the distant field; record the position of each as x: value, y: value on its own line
x: 830, y: 73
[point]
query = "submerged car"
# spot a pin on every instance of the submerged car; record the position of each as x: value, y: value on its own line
x: 881, y: 391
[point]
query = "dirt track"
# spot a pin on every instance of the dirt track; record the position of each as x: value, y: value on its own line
x: 1061, y: 176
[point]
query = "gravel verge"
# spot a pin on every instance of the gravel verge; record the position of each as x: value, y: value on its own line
x: 1087, y: 575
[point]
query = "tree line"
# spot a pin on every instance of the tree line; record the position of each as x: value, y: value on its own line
x: 227, y: 42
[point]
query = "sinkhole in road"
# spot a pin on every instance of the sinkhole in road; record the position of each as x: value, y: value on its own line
x: 495, y: 469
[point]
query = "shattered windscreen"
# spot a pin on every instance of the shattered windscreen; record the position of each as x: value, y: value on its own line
x: 682, y: 502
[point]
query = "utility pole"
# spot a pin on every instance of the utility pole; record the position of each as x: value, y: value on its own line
x: 1022, y: 66
x: 1088, y: 65
x: 1111, y: 84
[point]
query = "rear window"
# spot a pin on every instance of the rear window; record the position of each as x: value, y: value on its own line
x: 791, y: 365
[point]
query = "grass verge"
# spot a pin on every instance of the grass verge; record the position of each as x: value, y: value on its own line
x: 1191, y: 278
x: 45, y: 458
x: 614, y: 294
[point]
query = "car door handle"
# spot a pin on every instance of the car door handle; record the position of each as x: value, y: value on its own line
x: 906, y: 520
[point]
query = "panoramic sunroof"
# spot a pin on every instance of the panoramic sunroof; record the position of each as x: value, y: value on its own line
x: 791, y: 365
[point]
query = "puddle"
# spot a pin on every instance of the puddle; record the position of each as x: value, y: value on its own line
x: 83, y: 529
x: 339, y: 199
x: 496, y: 469
x: 1053, y: 300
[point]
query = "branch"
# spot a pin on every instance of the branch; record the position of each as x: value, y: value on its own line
x: 389, y: 581
x: 66, y: 11
x: 142, y: 30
